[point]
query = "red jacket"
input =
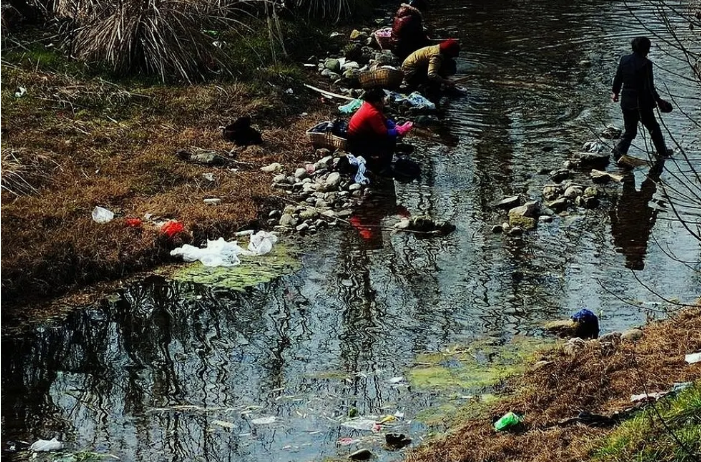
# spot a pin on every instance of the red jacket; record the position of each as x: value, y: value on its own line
x: 369, y: 122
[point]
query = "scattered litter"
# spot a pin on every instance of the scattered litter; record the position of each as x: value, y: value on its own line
x: 172, y: 227
x: 359, y: 424
x: 347, y: 441
x: 212, y: 201
x: 217, y: 253
x: 351, y: 107
x: 360, y: 177
x: 208, y: 176
x: 46, y: 445
x: 334, y: 34
x: 262, y: 243
x: 264, y: 420
x: 677, y: 387
x: 399, y: 415
x: 224, y: 423
x: 133, y: 222
x: 376, y: 428
x: 396, y: 380
x: 289, y: 91
x: 387, y: 418
x: 693, y: 358
x: 509, y: 420
x: 21, y: 91
x: 648, y: 396
x: 102, y: 215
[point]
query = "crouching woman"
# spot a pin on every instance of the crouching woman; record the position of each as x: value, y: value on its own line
x: 371, y: 134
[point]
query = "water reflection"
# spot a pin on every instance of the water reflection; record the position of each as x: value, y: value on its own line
x: 633, y: 217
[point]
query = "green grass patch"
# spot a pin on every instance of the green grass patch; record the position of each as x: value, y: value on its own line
x: 669, y: 432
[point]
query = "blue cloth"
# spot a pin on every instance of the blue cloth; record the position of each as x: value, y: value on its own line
x: 390, y: 124
x: 584, y: 316
x: 392, y: 132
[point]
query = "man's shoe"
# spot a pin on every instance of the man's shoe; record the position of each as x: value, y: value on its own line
x: 667, y: 154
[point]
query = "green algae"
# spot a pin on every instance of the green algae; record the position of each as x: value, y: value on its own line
x: 252, y: 271
x: 474, y: 368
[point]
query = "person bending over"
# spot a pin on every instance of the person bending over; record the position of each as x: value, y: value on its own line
x: 371, y: 134
x: 408, y: 33
x: 431, y: 64
x: 635, y: 85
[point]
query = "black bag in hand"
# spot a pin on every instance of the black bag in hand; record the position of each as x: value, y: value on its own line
x: 664, y: 106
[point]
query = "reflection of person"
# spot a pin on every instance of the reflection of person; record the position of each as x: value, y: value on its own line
x: 638, y: 97
x: 432, y: 64
x: 408, y: 31
x: 371, y: 134
x: 368, y: 218
x: 632, y: 219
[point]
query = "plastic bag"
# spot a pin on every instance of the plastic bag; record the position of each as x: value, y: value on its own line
x: 351, y: 107
x: 102, y: 215
x: 46, y: 445
x: 262, y: 243
x: 507, y: 421
x: 171, y: 228
x: 217, y: 253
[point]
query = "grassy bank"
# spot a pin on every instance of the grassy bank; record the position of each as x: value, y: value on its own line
x: 80, y: 138
x: 598, y: 378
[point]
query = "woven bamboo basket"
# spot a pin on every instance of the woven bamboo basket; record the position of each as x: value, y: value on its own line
x: 384, y: 38
x: 326, y: 139
x: 383, y: 77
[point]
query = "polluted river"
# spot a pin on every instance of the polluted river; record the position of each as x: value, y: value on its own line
x: 347, y: 335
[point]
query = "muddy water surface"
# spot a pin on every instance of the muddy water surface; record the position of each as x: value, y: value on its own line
x: 181, y: 371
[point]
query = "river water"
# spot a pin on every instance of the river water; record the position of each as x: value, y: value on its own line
x: 183, y: 372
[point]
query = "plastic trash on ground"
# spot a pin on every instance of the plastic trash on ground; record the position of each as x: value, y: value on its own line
x: 46, y: 445
x: 133, y: 222
x: 102, y: 215
x: 693, y: 358
x: 217, y: 253
x: 171, y: 228
x: 509, y: 420
x: 262, y: 243
x: 351, y: 107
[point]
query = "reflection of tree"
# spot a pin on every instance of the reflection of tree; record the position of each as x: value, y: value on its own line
x: 633, y: 218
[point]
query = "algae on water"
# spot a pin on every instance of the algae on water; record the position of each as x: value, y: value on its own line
x: 252, y: 271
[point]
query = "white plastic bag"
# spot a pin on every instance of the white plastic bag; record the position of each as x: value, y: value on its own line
x: 46, y: 445
x: 217, y: 253
x: 102, y: 215
x: 262, y: 243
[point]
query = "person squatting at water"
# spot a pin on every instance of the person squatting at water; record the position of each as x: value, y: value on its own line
x: 408, y: 33
x: 371, y: 134
x: 432, y: 64
x: 638, y: 98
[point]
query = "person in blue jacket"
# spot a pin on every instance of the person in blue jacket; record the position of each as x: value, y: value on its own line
x: 634, y: 86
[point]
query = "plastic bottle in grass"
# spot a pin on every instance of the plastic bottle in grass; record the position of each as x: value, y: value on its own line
x: 509, y: 420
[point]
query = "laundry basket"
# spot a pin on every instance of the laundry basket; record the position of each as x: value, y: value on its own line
x: 384, y: 77
x: 322, y: 136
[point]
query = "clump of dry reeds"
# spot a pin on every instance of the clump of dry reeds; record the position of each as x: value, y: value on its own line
x: 23, y: 174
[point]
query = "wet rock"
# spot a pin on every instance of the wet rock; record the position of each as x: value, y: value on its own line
x: 545, y: 219
x: 344, y: 213
x: 274, y: 214
x: 333, y: 65
x: 496, y: 229
x: 355, y: 187
x: 404, y: 223
x: 324, y: 162
x: 592, y: 191
x: 302, y: 228
x: 611, y: 132
x: 559, y: 205
x: 509, y: 202
x: 319, y: 223
x: 632, y: 335
x: 516, y: 231
x: 360, y: 454
x: 569, y: 165
x: 561, y: 328
x: 272, y: 168
x: 573, y: 191
x: 333, y: 180
x: 574, y: 346
x: 281, y: 178
x: 593, y: 146
x: 329, y: 213
x: 397, y: 440
x: 286, y: 220
x: 589, y: 202
x: 551, y: 192
x: 559, y: 175
x: 301, y: 173
x: 529, y: 209
x: 596, y: 160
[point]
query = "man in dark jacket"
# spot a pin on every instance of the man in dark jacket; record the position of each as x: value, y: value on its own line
x: 638, y: 99
x: 408, y: 33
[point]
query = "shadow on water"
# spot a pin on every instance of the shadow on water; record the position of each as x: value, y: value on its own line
x: 182, y: 372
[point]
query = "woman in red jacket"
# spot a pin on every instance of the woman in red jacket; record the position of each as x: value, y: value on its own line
x: 408, y: 33
x: 371, y: 134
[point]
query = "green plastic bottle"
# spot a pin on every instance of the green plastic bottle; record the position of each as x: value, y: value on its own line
x: 507, y: 421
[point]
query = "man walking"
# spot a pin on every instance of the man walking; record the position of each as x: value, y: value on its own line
x: 638, y: 98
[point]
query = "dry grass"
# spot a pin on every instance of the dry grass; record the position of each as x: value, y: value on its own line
x: 596, y: 380
x: 71, y: 145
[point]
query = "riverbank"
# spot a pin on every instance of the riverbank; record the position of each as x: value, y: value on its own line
x: 75, y: 140
x: 597, y: 377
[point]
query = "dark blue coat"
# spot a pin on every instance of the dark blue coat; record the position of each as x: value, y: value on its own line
x: 634, y: 74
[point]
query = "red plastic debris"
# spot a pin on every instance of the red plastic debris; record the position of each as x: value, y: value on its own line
x: 133, y: 222
x: 171, y: 228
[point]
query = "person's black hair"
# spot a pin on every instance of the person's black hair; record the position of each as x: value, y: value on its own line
x: 374, y: 95
x: 421, y: 5
x: 641, y: 45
